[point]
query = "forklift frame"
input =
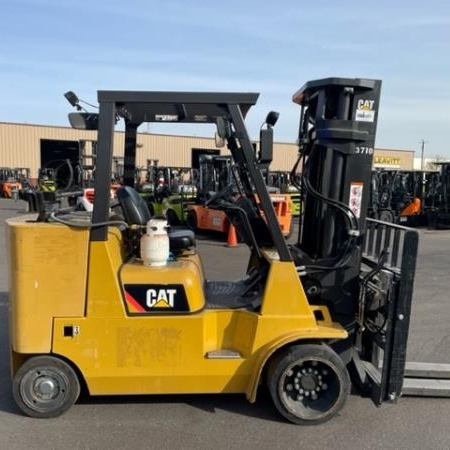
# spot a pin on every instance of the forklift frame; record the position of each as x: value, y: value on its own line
x: 179, y: 107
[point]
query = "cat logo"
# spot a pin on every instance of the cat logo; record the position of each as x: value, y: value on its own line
x: 365, y: 111
x: 365, y: 105
x: 160, y: 298
x: 155, y: 298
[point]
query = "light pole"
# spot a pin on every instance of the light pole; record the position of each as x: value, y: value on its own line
x: 422, y: 142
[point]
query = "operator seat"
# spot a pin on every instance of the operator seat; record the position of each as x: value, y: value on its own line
x: 136, y: 212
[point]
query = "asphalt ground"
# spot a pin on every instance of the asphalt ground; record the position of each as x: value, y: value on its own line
x: 229, y: 421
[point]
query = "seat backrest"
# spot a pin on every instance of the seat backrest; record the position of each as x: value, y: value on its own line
x: 134, y: 208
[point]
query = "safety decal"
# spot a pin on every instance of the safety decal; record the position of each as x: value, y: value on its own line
x: 356, y: 191
x: 148, y: 298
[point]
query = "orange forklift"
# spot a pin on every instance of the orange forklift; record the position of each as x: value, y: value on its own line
x: 399, y: 196
x: 215, y: 173
x: 10, y: 181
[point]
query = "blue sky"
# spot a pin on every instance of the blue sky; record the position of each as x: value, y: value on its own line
x: 48, y: 47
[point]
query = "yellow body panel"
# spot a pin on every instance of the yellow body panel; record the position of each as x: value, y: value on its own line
x: 120, y: 352
x: 48, y: 270
x: 168, y: 354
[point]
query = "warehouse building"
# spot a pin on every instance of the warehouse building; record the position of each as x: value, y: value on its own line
x: 34, y: 146
x: 393, y: 159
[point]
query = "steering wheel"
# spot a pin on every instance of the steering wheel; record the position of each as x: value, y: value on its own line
x: 223, y: 194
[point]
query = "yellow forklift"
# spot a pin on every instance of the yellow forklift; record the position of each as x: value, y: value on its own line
x: 86, y: 310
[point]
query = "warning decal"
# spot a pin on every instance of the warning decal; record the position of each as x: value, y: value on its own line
x: 356, y: 190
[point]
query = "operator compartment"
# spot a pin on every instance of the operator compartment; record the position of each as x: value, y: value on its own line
x: 175, y: 287
x: 48, y: 272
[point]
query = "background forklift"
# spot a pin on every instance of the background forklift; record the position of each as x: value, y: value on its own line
x: 168, y: 191
x: 10, y: 182
x: 86, y: 310
x: 215, y: 173
x: 398, y: 196
x: 437, y: 199
x: 284, y: 181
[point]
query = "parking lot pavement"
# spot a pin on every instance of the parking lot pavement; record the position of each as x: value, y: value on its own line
x: 213, y: 421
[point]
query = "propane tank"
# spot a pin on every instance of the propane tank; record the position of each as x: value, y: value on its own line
x: 155, y: 243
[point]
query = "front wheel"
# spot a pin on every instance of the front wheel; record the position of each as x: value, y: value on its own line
x: 308, y: 383
x: 45, y: 386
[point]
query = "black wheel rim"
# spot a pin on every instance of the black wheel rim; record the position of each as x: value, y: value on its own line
x: 310, y: 388
x: 44, y: 390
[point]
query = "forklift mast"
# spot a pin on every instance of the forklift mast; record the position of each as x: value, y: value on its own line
x: 336, y: 141
x: 214, y: 173
x: 362, y: 269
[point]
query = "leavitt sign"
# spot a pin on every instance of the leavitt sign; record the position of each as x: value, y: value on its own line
x: 383, y: 161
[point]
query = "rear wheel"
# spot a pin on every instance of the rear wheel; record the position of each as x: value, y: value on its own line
x: 191, y: 220
x: 45, y: 386
x: 308, y: 383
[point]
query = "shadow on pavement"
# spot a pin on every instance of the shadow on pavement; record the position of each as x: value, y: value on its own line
x: 262, y: 409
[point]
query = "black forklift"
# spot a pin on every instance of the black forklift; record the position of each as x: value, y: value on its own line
x: 398, y: 196
x: 437, y: 199
x: 361, y: 268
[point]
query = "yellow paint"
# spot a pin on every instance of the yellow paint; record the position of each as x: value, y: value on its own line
x: 82, y: 297
x: 48, y: 267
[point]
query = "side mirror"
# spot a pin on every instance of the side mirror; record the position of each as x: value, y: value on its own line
x: 272, y: 118
x: 83, y: 120
x: 265, y: 146
x: 266, y: 138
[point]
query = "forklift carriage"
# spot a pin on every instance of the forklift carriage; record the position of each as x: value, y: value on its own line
x: 85, y: 310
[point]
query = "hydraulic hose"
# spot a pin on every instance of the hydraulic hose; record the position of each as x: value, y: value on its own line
x: 349, y: 214
x: 353, y: 230
x: 69, y: 223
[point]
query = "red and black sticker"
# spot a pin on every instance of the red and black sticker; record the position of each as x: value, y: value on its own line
x: 148, y: 298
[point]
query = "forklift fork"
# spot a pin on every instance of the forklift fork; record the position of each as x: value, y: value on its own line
x: 389, y: 258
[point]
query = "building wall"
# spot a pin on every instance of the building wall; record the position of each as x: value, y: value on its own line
x: 20, y: 147
x: 393, y: 159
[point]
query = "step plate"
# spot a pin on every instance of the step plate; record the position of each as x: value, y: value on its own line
x: 223, y: 354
